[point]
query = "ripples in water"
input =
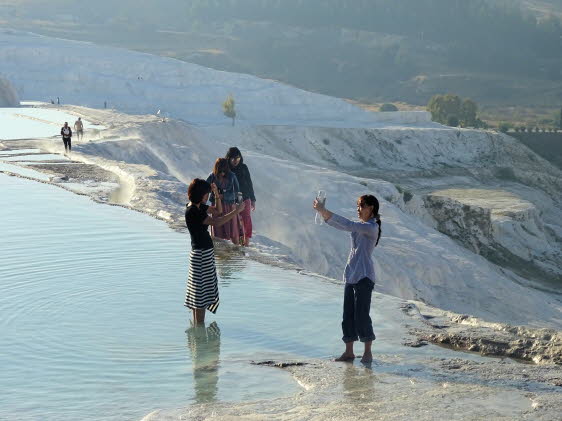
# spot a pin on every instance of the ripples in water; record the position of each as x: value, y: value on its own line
x: 92, y: 317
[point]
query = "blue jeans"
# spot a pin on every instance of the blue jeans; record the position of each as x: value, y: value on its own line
x: 356, y: 322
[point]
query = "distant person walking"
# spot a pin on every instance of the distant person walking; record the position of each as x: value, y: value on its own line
x: 66, y: 133
x: 79, y: 128
x: 237, y: 166
x: 202, y: 285
x: 359, y: 274
x: 228, y: 187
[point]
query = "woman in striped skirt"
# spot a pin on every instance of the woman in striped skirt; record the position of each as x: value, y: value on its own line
x: 202, y: 284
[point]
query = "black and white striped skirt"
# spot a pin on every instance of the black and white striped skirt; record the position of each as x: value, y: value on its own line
x: 202, y: 283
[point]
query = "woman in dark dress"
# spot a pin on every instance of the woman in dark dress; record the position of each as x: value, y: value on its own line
x: 202, y: 284
x: 237, y: 166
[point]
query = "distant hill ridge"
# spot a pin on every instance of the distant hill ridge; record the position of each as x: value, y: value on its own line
x: 495, y: 51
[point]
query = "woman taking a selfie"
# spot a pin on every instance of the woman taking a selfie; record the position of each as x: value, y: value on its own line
x: 202, y: 284
x: 359, y: 275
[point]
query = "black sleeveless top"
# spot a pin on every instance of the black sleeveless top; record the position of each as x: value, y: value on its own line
x: 194, y: 217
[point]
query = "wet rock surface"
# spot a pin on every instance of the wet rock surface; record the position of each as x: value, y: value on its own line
x: 76, y: 171
x: 394, y: 388
x: 466, y: 333
x: 280, y: 364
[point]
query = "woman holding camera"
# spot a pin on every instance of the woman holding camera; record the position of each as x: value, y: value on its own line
x: 228, y: 188
x: 202, y: 284
x: 359, y: 274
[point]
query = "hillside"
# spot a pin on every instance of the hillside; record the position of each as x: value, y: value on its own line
x: 471, y: 218
x: 491, y: 51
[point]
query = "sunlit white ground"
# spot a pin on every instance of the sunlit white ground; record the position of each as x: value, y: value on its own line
x: 31, y: 122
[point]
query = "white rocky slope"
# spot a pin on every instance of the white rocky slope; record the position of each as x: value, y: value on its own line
x: 290, y: 162
x: 82, y: 73
x: 413, y: 260
x: 506, y: 202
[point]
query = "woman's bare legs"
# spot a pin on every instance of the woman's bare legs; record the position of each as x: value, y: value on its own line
x: 348, y: 354
x: 198, y: 316
x: 367, y: 355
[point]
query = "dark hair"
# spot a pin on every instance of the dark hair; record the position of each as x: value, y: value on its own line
x: 197, y: 189
x: 371, y: 200
x: 221, y: 164
x: 233, y: 153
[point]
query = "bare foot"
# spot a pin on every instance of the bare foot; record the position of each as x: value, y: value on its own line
x: 345, y: 357
x: 367, y: 358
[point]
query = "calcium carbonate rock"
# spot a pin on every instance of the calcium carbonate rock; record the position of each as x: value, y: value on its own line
x: 499, y: 225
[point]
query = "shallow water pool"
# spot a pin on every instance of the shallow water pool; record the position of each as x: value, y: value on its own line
x: 93, y: 324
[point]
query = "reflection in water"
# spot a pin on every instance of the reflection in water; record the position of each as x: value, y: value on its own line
x: 359, y: 384
x: 204, y: 344
x: 229, y: 262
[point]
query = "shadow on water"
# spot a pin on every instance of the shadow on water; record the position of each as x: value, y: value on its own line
x: 204, y: 343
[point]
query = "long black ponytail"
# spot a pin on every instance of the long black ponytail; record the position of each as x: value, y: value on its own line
x: 371, y: 200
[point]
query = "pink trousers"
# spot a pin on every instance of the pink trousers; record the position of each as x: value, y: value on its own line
x: 246, y: 217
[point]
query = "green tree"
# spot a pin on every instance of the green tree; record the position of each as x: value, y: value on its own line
x: 453, y: 121
x: 469, y: 109
x: 388, y: 107
x: 229, y: 108
x: 560, y: 121
x: 443, y: 106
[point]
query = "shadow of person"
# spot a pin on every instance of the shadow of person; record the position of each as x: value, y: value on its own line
x: 204, y: 345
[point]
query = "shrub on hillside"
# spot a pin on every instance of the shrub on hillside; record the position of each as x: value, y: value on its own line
x: 388, y: 107
x: 504, y: 127
x: 481, y: 124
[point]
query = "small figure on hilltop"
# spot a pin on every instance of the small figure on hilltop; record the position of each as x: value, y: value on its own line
x: 359, y: 274
x: 58, y: 100
x: 66, y: 133
x: 237, y: 166
x: 79, y: 128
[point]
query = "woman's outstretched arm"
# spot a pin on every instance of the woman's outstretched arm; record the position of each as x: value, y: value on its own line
x: 344, y: 224
x: 221, y: 220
